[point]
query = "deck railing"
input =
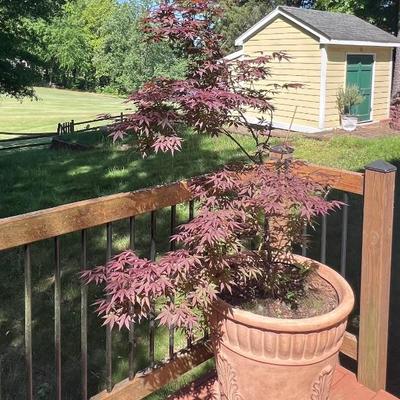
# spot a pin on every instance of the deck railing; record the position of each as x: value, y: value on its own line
x: 369, y: 348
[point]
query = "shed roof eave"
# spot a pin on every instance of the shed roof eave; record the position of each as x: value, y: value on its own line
x: 360, y: 43
x: 323, y: 39
x: 235, y: 55
x: 263, y: 22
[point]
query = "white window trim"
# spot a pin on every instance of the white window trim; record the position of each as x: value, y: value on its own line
x: 373, y: 80
x: 322, y: 94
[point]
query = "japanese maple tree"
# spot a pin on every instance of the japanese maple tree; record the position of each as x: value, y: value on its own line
x: 216, y: 92
x: 249, y: 216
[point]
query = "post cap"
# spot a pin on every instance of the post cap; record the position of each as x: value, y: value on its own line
x: 381, y: 166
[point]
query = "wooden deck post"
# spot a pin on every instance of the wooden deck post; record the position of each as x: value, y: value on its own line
x: 375, y: 273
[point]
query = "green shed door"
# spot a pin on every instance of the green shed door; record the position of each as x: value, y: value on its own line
x: 359, y: 73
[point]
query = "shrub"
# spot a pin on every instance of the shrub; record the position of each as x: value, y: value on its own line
x: 263, y: 204
x: 249, y: 216
x: 347, y: 99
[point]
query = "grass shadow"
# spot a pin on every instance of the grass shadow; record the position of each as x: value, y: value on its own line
x: 53, y: 178
x: 59, y: 177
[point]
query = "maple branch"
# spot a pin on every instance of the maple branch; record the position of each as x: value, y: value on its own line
x: 249, y: 156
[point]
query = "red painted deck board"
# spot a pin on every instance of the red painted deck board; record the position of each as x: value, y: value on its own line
x: 381, y: 395
x: 344, y: 387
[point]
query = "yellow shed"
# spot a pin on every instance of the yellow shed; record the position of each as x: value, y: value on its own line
x: 328, y: 51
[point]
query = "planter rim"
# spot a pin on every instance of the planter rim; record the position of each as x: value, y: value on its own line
x: 282, y: 149
x: 317, y: 323
x: 349, y: 116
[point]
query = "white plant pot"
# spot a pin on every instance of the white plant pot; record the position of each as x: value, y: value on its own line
x: 349, y: 122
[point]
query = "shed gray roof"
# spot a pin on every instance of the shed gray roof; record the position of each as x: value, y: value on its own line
x: 330, y: 27
x: 337, y: 26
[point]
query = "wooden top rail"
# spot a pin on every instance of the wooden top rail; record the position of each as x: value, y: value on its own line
x: 339, y: 179
x: 57, y: 221
x: 148, y: 381
x: 98, y: 120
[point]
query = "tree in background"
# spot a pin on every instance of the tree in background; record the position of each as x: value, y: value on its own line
x: 100, y: 45
x: 19, y: 66
x: 382, y: 13
x: 70, y: 40
x: 396, y: 72
x: 240, y: 16
x: 124, y: 60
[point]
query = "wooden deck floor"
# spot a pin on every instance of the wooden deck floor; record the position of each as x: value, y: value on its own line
x: 344, y: 387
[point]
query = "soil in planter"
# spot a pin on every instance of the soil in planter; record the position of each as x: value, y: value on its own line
x: 319, y: 298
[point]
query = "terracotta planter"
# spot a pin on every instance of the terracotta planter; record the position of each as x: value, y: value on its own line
x: 259, y: 357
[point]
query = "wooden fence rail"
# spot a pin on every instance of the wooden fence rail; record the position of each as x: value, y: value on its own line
x: 70, y: 126
x: 376, y: 186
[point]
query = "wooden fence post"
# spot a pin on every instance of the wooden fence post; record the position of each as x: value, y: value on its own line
x: 122, y: 117
x: 375, y: 273
x: 72, y: 126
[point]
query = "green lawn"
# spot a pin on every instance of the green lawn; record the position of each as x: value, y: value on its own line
x: 39, y: 178
x: 53, y: 106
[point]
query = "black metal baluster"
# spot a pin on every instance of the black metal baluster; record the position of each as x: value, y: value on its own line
x: 84, y: 320
x: 28, y: 323
x: 132, y: 335
x: 172, y: 246
x: 323, y: 239
x: 191, y: 210
x: 153, y: 236
x: 132, y: 233
x: 57, y: 317
x: 191, y: 216
x: 1, y: 371
x: 109, y: 383
x: 132, y: 351
x: 152, y: 312
x: 304, y: 245
x: 345, y: 221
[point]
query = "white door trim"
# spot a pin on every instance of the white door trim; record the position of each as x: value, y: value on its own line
x: 322, y: 93
x: 390, y: 83
x: 357, y: 53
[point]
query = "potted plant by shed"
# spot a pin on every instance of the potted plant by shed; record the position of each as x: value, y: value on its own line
x: 277, y: 320
x: 346, y: 100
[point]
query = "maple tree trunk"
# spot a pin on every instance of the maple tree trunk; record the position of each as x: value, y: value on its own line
x: 396, y: 72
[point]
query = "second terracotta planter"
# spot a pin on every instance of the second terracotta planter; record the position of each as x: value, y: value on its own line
x: 266, y: 358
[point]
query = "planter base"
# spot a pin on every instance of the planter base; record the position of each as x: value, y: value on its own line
x: 344, y: 387
x: 285, y: 359
x: 311, y: 382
